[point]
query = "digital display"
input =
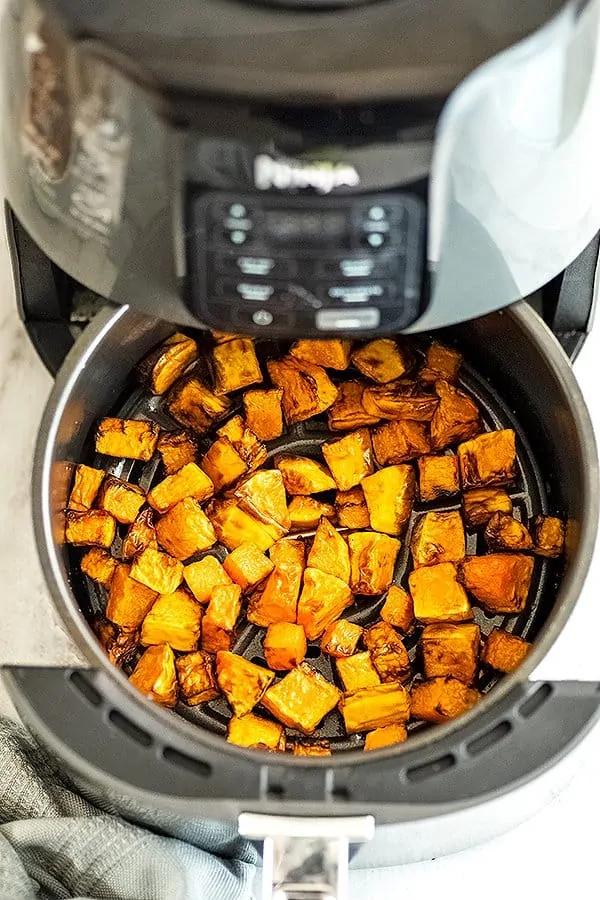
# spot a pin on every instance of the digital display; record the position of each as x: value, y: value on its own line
x: 296, y: 226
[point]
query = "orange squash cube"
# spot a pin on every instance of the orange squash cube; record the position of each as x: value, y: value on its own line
x: 332, y: 354
x: 451, y: 650
x: 307, y: 389
x: 158, y: 571
x: 236, y: 365
x: 480, y: 504
x: 398, y: 400
x: 141, y: 535
x: 120, y: 644
x: 489, y: 459
x: 301, y: 699
x: 399, y: 441
x: 390, y: 496
x: 441, y: 363
x: 312, y: 748
x: 437, y: 595
x: 382, y: 360
x: 375, y: 707
x: 348, y: 412
x: 438, y: 477
x: 129, y: 438
x: 504, y: 532
x: 372, y: 561
x: 86, y: 484
x: 385, y: 737
x: 388, y: 653
x: 155, y: 675
x: 95, y: 528
x: 224, y: 606
x: 357, y: 672
x: 194, y: 405
x: 185, y: 530
x: 189, y: 481
x: 233, y: 526
x: 306, y: 512
x: 262, y: 495
x: 121, y: 499
x: 500, y: 581
x: 251, y: 450
x: 438, y: 538
x: 223, y: 464
x: 176, y: 449
x: 202, y: 576
x: 323, y: 599
x: 455, y: 419
x: 247, y: 566
x: 253, y: 731
x: 284, y: 646
x: 128, y: 600
x: 264, y: 415
x: 303, y: 476
x: 329, y: 552
x: 174, y: 619
x: 398, y: 609
x: 349, y: 458
x: 340, y: 638
x: 352, y: 510
x: 441, y: 699
x: 503, y: 651
x: 549, y: 536
x: 242, y: 681
x: 196, y: 676
x: 99, y: 565
x: 161, y: 368
x: 279, y: 600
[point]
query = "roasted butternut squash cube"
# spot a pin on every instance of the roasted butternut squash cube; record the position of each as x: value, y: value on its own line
x: 196, y: 676
x: 141, y: 535
x: 128, y: 600
x: 185, y: 530
x: 438, y: 477
x: 397, y: 442
x: 221, y: 337
x: 279, y: 600
x: 451, y: 650
x: 95, y: 528
x: 455, y: 419
x: 155, y: 675
x: 398, y: 609
x: 164, y: 365
x: 302, y: 699
x: 174, y: 619
x: 307, y: 389
x: 503, y: 651
x: 390, y: 496
x: 242, y: 681
x: 438, y: 537
x: 264, y: 415
x: 351, y: 506
x: 329, y: 552
x: 480, y: 504
x: 333, y: 354
x: 236, y: 365
x: 349, y: 458
x: 500, y: 581
x: 388, y: 653
x: 340, y: 638
x: 314, y: 748
x: 189, y: 481
x: 323, y: 599
x: 192, y: 403
x: 86, y: 484
x: 385, y: 737
x: 251, y: 450
x: 233, y: 526
x: 382, y: 360
x: 253, y: 731
x: 176, y: 449
x: 398, y: 400
x: 441, y: 699
x: 121, y: 499
x: 215, y: 638
x: 262, y: 494
x: 504, y: 532
x: 372, y: 561
x: 247, y: 566
x: 284, y: 646
x: 357, y: 672
x: 99, y: 565
x: 303, y: 476
x: 441, y: 363
x: 129, y: 438
x: 202, y: 576
x: 489, y: 459
x: 158, y: 571
x: 375, y: 707
x: 306, y: 512
x: 437, y: 595
x: 221, y: 616
x: 548, y: 536
x: 120, y: 644
x: 223, y: 464
x: 348, y: 412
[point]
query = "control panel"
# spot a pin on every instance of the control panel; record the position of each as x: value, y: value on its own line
x: 287, y: 266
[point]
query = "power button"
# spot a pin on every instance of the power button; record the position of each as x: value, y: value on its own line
x: 352, y: 320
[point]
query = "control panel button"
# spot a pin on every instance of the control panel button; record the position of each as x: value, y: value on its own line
x: 237, y: 237
x: 252, y: 265
x: 352, y: 320
x: 356, y: 293
x: 372, y: 265
x: 375, y: 240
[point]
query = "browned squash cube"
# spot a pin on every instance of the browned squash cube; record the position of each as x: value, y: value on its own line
x: 500, y: 581
x: 438, y: 477
x: 163, y: 366
x: 155, y: 675
x: 195, y: 406
x: 253, y: 731
x: 176, y: 449
x: 348, y: 412
x: 390, y: 495
x: 120, y: 644
x: 357, y: 672
x: 438, y: 537
x: 185, y: 530
x: 548, y: 536
x: 382, y: 360
x: 223, y: 464
x: 307, y: 389
x: 503, y: 651
x: 323, y: 599
x: 202, y: 576
x: 233, y: 526
x: 312, y: 748
x: 221, y: 616
x: 284, y: 646
x: 279, y: 600
x: 375, y: 707
x: 385, y: 737
x: 488, y: 459
x: 242, y: 682
x: 86, y: 484
x: 247, y: 566
x: 141, y: 534
x: 398, y: 400
x: 251, y: 450
x: 349, y: 458
x: 95, y: 527
x: 128, y: 600
x: 99, y: 565
x: 190, y: 481
x: 306, y: 512
x: 441, y: 699
x: 441, y: 363
x: 303, y: 476
x: 221, y: 337
x: 262, y: 494
x: 479, y: 505
x: 264, y: 415
x: 398, y: 609
x: 174, y: 619
x: 196, y: 676
x: 340, y: 638
x: 437, y: 595
x: 397, y: 442
x: 158, y: 571
x: 302, y: 699
x: 455, y: 419
x: 235, y: 365
x: 329, y: 552
x: 372, y: 561
x: 504, y: 532
x: 130, y: 438
x: 215, y: 638
x: 333, y: 354
x: 352, y: 510
x: 388, y: 653
x: 121, y: 499
x: 451, y: 650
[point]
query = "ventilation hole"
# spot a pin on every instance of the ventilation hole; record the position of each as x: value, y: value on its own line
x: 313, y: 652
x: 340, y: 793
x: 275, y: 792
x: 197, y: 766
x: 129, y: 728
x: 86, y: 689
x: 533, y: 703
x: 491, y: 737
x: 431, y: 769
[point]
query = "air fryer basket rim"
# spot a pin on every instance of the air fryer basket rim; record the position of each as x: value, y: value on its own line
x: 80, y: 357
